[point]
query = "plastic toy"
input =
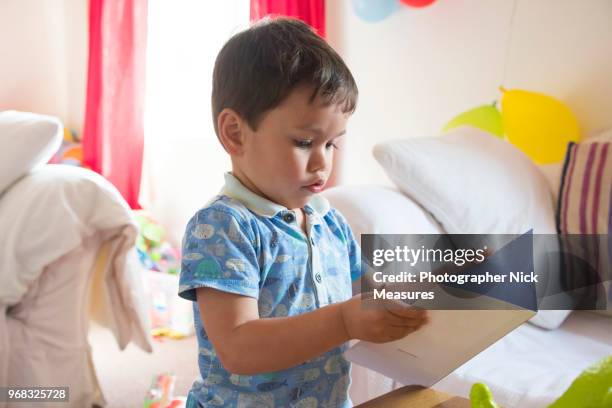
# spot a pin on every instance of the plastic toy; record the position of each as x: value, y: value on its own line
x: 160, y: 393
x: 154, y: 252
x: 480, y: 397
x: 71, y: 150
x: 591, y: 389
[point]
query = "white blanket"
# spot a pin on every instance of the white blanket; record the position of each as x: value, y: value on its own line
x: 49, y: 213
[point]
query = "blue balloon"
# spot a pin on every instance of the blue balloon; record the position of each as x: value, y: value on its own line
x: 374, y: 10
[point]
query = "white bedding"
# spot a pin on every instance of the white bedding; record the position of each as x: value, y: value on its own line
x: 531, y: 367
x: 49, y: 213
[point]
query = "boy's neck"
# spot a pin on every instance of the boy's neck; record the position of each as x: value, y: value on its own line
x: 300, y: 219
x: 246, y: 182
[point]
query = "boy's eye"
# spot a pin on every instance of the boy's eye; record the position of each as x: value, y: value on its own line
x: 306, y: 143
x: 303, y: 143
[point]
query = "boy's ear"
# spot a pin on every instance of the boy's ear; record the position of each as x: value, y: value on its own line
x: 231, y: 131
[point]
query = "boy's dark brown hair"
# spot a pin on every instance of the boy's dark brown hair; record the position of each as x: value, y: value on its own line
x: 259, y: 67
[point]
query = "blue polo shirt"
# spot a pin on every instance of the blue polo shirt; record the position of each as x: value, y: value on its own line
x: 245, y: 244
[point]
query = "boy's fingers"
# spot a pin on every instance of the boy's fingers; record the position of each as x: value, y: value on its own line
x: 402, y: 331
x: 405, y: 311
x: 398, y: 312
x: 415, y: 324
x: 395, y: 320
x: 407, y: 321
x: 395, y: 304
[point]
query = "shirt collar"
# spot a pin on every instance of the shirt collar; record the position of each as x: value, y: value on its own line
x: 233, y: 188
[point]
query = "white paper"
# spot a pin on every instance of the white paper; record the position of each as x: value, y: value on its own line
x: 451, y: 338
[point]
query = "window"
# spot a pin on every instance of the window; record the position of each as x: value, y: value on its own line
x: 183, y: 161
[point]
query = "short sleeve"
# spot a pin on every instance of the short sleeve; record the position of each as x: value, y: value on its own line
x: 353, y: 248
x: 219, y: 252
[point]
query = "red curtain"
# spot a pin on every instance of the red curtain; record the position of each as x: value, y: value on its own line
x: 113, y: 129
x: 311, y: 12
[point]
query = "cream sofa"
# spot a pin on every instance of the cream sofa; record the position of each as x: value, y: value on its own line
x: 66, y: 256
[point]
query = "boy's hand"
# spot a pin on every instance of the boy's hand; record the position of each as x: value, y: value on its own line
x: 381, y: 321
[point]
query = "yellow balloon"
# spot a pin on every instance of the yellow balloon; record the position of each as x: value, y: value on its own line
x: 539, y: 125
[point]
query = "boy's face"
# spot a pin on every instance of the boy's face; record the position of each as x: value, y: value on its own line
x: 289, y: 158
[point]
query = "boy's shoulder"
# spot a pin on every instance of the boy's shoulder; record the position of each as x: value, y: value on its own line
x: 225, y: 205
x: 222, y: 210
x: 336, y: 214
x: 337, y: 218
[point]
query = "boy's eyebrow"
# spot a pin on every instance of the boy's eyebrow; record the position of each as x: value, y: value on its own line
x: 318, y: 131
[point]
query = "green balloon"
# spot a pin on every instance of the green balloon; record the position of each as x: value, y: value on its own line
x: 485, y: 117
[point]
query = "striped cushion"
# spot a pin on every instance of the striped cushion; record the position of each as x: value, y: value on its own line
x: 585, y: 198
x: 585, y: 207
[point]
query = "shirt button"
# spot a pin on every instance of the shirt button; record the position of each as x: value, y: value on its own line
x: 289, y: 217
x: 318, y: 277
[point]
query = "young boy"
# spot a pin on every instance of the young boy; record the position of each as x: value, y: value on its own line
x: 269, y: 263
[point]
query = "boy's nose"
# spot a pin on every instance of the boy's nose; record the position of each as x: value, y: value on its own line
x: 318, y: 161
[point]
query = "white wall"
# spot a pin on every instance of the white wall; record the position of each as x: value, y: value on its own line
x: 415, y: 70
x: 43, y: 57
x: 419, y: 67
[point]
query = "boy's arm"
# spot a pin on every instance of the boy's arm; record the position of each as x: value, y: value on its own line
x: 247, y: 344
x: 366, y: 282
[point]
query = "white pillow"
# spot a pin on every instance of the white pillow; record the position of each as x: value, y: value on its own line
x: 474, y: 183
x: 380, y: 210
x: 471, y: 182
x: 27, y: 140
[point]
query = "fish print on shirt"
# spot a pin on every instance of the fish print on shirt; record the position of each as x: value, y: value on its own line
x: 260, y: 400
x: 270, y: 386
x: 203, y: 231
x: 240, y: 380
x: 208, y: 268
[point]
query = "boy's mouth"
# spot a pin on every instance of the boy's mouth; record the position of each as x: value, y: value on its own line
x: 316, y: 187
